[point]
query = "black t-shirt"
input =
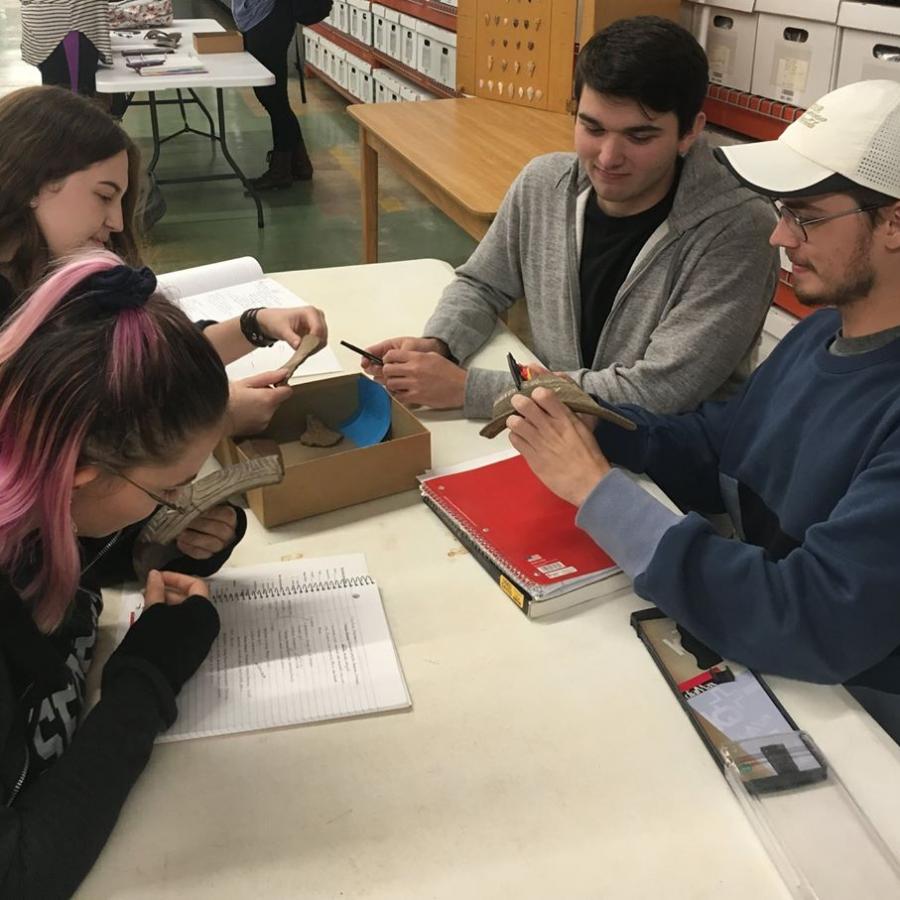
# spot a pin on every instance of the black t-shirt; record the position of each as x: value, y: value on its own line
x: 609, y: 248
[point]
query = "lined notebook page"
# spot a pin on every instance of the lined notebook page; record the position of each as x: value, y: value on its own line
x: 229, y: 302
x: 300, y: 641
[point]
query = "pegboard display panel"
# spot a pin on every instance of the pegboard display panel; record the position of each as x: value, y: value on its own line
x: 517, y: 51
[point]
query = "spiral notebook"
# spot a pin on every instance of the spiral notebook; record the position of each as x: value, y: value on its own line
x: 523, y: 535
x: 300, y: 641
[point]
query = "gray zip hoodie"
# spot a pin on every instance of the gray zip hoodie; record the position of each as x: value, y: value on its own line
x: 684, y: 323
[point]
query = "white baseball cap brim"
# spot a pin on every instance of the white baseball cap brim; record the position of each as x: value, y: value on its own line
x: 773, y: 168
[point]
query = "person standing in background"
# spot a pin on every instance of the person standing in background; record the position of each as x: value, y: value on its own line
x: 268, y: 27
x: 66, y: 40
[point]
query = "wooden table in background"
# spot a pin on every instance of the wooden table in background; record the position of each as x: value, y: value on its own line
x: 461, y: 154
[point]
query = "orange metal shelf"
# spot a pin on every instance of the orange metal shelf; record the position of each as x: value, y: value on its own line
x: 439, y: 14
x: 344, y: 41
x: 748, y: 114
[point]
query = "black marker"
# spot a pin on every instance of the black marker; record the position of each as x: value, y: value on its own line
x: 371, y: 357
x: 514, y: 370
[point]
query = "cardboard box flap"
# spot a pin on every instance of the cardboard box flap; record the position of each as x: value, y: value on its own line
x: 871, y: 17
x: 816, y: 10
x: 736, y: 5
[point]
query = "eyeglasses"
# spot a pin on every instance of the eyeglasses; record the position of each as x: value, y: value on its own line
x: 183, y: 494
x: 798, y: 226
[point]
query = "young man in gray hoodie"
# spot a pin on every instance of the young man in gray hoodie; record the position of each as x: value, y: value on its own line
x: 643, y: 262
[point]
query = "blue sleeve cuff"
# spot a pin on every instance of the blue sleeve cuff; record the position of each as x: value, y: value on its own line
x: 625, y: 521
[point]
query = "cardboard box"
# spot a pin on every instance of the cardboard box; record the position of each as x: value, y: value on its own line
x: 796, y: 50
x: 342, y: 22
x: 379, y: 28
x: 746, y: 6
x: 320, y: 479
x: 408, y: 47
x: 311, y: 43
x: 437, y: 54
x: 360, y: 20
x: 870, y: 43
x: 731, y: 46
x: 392, y: 32
x: 218, y: 41
x: 357, y: 82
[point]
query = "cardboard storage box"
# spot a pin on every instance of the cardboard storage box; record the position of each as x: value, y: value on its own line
x: 387, y: 86
x: 342, y: 21
x: 796, y: 50
x: 320, y: 479
x: 731, y: 43
x: 379, y: 28
x: 408, y: 47
x: 393, y: 32
x: 342, y: 72
x: 218, y: 41
x: 437, y: 54
x: 870, y: 43
x: 361, y: 21
x: 311, y: 43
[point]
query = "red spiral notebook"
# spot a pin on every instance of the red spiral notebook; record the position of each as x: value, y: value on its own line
x: 523, y: 535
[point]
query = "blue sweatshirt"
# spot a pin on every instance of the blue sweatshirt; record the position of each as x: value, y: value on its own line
x: 806, y: 460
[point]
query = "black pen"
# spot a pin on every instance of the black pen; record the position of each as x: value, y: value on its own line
x: 371, y: 357
x: 514, y: 370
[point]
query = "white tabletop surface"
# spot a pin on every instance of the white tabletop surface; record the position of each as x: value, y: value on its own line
x: 224, y: 69
x: 541, y: 759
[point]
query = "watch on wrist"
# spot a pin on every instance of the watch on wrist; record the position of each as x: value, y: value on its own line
x: 251, y: 330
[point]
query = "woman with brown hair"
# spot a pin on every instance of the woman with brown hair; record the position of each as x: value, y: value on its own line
x: 69, y: 179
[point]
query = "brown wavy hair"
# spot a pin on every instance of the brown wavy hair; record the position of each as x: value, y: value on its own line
x: 46, y: 134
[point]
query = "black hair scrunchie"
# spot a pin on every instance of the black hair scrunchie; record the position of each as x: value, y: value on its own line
x: 121, y: 287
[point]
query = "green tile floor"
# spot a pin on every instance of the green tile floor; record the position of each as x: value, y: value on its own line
x: 310, y: 225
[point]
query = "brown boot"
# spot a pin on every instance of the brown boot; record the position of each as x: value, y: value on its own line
x: 278, y: 175
x: 301, y: 164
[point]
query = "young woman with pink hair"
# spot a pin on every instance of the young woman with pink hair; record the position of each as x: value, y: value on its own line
x: 96, y: 430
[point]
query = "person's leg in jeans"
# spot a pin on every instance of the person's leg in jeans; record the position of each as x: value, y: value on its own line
x: 72, y: 64
x: 268, y: 42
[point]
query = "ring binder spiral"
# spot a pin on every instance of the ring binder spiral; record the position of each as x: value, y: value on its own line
x: 290, y: 588
x: 523, y: 535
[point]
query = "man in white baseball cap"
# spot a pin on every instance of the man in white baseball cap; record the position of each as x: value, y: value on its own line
x: 805, y: 459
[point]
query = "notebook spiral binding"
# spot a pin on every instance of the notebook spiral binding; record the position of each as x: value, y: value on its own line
x: 290, y: 588
x: 461, y: 529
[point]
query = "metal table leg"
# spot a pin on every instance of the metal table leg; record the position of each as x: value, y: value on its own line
x: 205, y: 111
x: 154, y: 125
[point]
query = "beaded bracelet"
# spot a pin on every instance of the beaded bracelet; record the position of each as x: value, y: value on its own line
x: 251, y: 331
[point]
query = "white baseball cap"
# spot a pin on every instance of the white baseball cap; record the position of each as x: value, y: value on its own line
x: 851, y: 134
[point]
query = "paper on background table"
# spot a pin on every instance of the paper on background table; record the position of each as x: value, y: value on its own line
x: 201, y: 279
x: 300, y: 641
x: 228, y: 302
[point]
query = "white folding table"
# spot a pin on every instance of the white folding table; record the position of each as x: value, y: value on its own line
x: 541, y: 759
x: 224, y: 70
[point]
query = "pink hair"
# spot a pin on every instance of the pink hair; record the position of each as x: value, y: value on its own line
x: 42, y: 432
